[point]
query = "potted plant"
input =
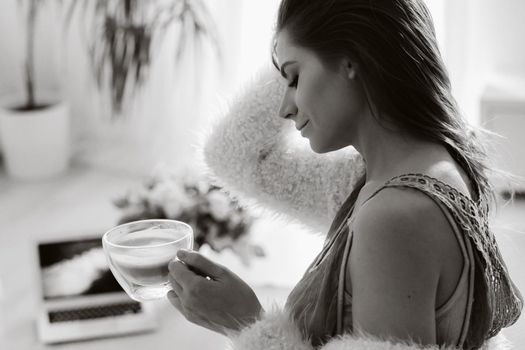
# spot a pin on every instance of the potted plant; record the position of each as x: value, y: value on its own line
x: 34, y: 129
x: 124, y: 34
x: 148, y: 60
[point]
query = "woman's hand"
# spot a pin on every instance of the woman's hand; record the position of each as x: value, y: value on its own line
x: 210, y: 295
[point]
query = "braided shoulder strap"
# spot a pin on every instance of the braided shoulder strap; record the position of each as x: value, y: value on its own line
x: 504, y: 299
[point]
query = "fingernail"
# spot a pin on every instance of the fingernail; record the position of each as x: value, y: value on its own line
x: 182, y: 253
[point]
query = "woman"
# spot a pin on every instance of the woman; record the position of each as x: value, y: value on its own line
x: 409, y: 257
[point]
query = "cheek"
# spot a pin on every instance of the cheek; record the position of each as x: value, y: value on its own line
x: 315, y: 100
x: 328, y: 101
x: 356, y: 97
x: 306, y: 100
x: 339, y: 109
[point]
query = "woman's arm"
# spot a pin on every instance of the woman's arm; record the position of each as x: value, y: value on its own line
x: 395, y: 265
x: 251, y: 153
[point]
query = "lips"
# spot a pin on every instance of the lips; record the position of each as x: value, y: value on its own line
x: 302, y: 126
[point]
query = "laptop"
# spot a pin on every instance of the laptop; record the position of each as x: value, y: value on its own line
x: 79, y: 297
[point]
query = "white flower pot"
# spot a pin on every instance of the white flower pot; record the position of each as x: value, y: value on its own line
x: 35, y: 144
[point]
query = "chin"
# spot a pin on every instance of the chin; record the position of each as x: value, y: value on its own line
x: 320, y: 149
x: 326, y: 147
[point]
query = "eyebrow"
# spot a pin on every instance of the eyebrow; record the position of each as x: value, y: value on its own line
x: 283, y: 73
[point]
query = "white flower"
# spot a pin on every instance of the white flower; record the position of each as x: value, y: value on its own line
x: 137, y: 195
x: 219, y: 205
x: 158, y: 193
x: 235, y: 218
x: 203, y: 186
x: 245, y: 250
x: 170, y: 197
x: 162, y: 172
x: 220, y: 243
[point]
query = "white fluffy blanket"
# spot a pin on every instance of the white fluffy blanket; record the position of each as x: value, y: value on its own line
x: 277, y: 332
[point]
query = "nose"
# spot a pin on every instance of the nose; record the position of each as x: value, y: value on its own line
x: 288, y: 107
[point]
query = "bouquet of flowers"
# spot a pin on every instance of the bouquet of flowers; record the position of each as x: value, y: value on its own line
x: 217, y: 220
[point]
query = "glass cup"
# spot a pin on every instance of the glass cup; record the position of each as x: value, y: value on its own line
x: 138, y: 254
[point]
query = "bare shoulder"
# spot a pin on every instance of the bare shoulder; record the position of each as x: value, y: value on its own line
x: 401, y: 218
x: 398, y: 239
x: 395, y: 263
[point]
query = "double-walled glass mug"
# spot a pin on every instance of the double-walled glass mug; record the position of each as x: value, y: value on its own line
x: 138, y: 254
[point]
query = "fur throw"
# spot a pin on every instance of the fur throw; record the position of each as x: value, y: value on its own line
x: 276, y: 331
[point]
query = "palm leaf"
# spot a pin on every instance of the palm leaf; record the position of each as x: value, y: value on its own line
x: 121, y: 55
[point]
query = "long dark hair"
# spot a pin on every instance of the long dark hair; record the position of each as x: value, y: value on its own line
x: 394, y: 45
x: 400, y: 66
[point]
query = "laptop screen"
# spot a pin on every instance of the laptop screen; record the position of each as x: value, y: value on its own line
x: 75, y: 268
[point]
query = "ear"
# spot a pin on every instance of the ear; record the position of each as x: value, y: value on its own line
x: 350, y: 68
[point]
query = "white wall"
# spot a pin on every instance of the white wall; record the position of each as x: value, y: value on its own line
x: 500, y: 35
x: 484, y: 42
x: 9, y: 57
x: 12, y: 48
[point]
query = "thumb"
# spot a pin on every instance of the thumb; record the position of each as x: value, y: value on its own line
x: 200, y: 264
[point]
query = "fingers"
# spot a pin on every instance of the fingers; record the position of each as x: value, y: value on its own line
x: 180, y: 274
x: 190, y: 315
x: 177, y: 288
x: 200, y: 264
x: 175, y: 301
x: 182, y: 277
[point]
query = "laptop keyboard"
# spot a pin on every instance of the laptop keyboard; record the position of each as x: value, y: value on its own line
x: 88, y: 313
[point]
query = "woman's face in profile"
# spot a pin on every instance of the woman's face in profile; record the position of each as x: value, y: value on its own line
x: 326, y: 103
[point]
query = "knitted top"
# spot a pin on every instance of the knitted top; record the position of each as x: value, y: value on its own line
x: 322, y: 305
